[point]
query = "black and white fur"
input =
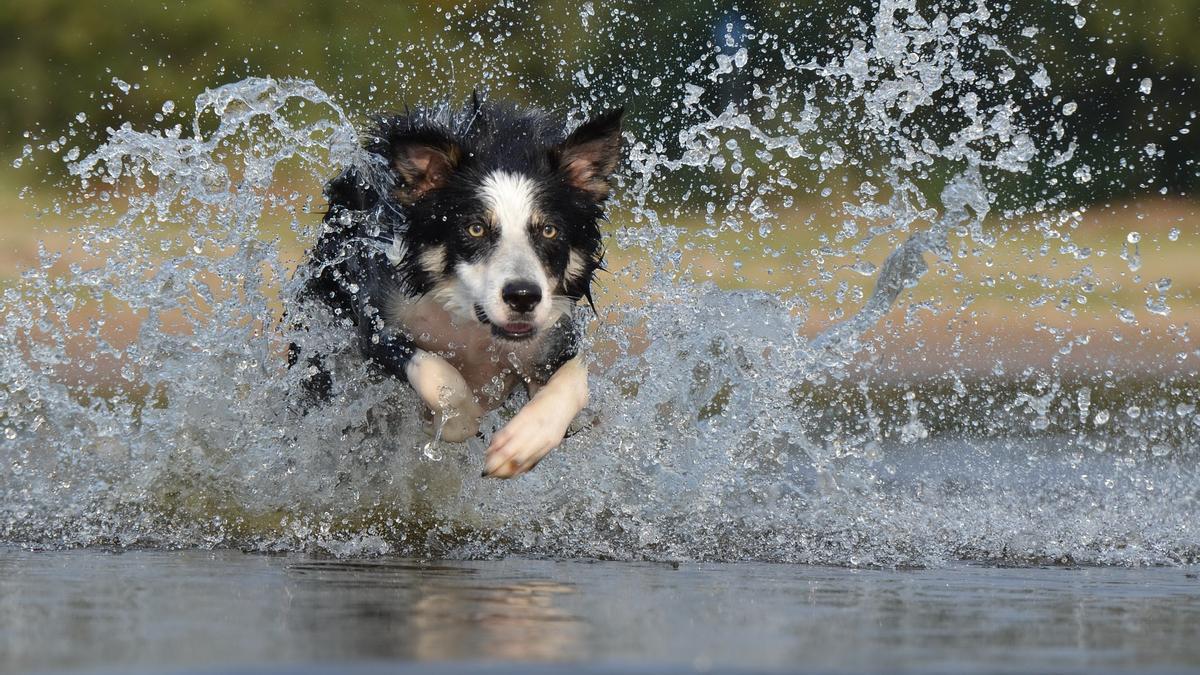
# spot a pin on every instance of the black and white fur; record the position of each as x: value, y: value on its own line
x: 459, y: 259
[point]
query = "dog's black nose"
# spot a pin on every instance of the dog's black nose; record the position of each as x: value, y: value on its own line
x: 521, y: 296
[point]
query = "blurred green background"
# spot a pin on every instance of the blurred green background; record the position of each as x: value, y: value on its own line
x: 62, y: 57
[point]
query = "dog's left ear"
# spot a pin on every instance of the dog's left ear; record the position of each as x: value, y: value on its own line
x: 591, y: 153
x: 423, y: 161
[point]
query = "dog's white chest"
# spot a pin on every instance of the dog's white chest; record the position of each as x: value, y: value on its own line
x: 491, y: 367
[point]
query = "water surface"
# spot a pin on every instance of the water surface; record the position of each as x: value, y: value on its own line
x: 160, y: 610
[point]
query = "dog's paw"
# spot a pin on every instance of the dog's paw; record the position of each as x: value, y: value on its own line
x: 454, y: 421
x: 456, y: 424
x: 454, y: 413
x: 536, y: 430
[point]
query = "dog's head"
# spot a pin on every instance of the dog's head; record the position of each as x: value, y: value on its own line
x: 502, y: 210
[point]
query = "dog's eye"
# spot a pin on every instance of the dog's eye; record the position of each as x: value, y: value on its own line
x: 549, y: 231
x: 476, y: 230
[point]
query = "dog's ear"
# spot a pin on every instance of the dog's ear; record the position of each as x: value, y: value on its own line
x: 591, y: 153
x: 349, y: 190
x: 423, y: 162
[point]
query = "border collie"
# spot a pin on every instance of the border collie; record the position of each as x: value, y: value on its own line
x: 459, y: 258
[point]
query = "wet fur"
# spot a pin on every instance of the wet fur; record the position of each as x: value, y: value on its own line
x: 429, y: 298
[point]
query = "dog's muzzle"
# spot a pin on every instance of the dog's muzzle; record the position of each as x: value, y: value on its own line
x: 513, y: 330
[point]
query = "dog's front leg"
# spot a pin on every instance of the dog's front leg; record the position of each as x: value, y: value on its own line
x: 540, y: 426
x: 445, y: 392
x: 455, y: 411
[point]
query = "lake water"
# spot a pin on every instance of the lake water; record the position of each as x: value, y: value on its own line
x: 226, y: 611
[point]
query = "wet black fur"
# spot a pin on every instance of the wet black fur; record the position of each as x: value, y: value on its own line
x: 348, y: 270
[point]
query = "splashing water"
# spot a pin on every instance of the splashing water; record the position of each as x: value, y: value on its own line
x: 146, y: 401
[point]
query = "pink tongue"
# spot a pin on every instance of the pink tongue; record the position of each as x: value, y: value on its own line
x: 518, y: 327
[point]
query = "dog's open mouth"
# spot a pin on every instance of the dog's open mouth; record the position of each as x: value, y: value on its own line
x: 512, y: 330
x: 516, y: 330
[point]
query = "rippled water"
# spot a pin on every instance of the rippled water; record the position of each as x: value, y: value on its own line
x: 146, y: 401
x: 228, y: 612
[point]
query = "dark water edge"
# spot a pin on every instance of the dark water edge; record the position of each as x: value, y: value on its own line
x: 230, y: 612
x: 469, y: 668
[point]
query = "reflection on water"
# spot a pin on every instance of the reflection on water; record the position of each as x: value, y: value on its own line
x: 81, y: 609
x: 433, y: 611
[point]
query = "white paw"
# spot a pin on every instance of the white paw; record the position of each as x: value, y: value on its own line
x: 455, y: 423
x: 454, y: 412
x: 536, y: 430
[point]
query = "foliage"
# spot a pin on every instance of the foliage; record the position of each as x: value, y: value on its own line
x: 64, y: 57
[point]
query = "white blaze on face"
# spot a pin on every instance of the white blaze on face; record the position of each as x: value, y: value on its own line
x: 510, y: 200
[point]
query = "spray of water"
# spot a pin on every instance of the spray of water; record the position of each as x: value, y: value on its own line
x: 146, y: 401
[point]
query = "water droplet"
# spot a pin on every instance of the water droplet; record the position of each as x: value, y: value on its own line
x: 1145, y: 85
x: 864, y: 267
x: 741, y: 58
x: 431, y: 451
x: 1040, y: 78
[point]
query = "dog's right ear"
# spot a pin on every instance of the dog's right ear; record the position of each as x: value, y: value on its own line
x: 423, y: 162
x: 591, y: 153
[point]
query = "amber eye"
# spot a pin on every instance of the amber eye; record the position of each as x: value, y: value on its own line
x: 549, y: 231
x: 476, y: 230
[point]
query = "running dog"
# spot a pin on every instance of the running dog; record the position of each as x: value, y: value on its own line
x: 458, y: 254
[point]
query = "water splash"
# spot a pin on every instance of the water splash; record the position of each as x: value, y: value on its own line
x: 146, y: 401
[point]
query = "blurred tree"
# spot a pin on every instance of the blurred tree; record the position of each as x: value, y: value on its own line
x: 64, y: 57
